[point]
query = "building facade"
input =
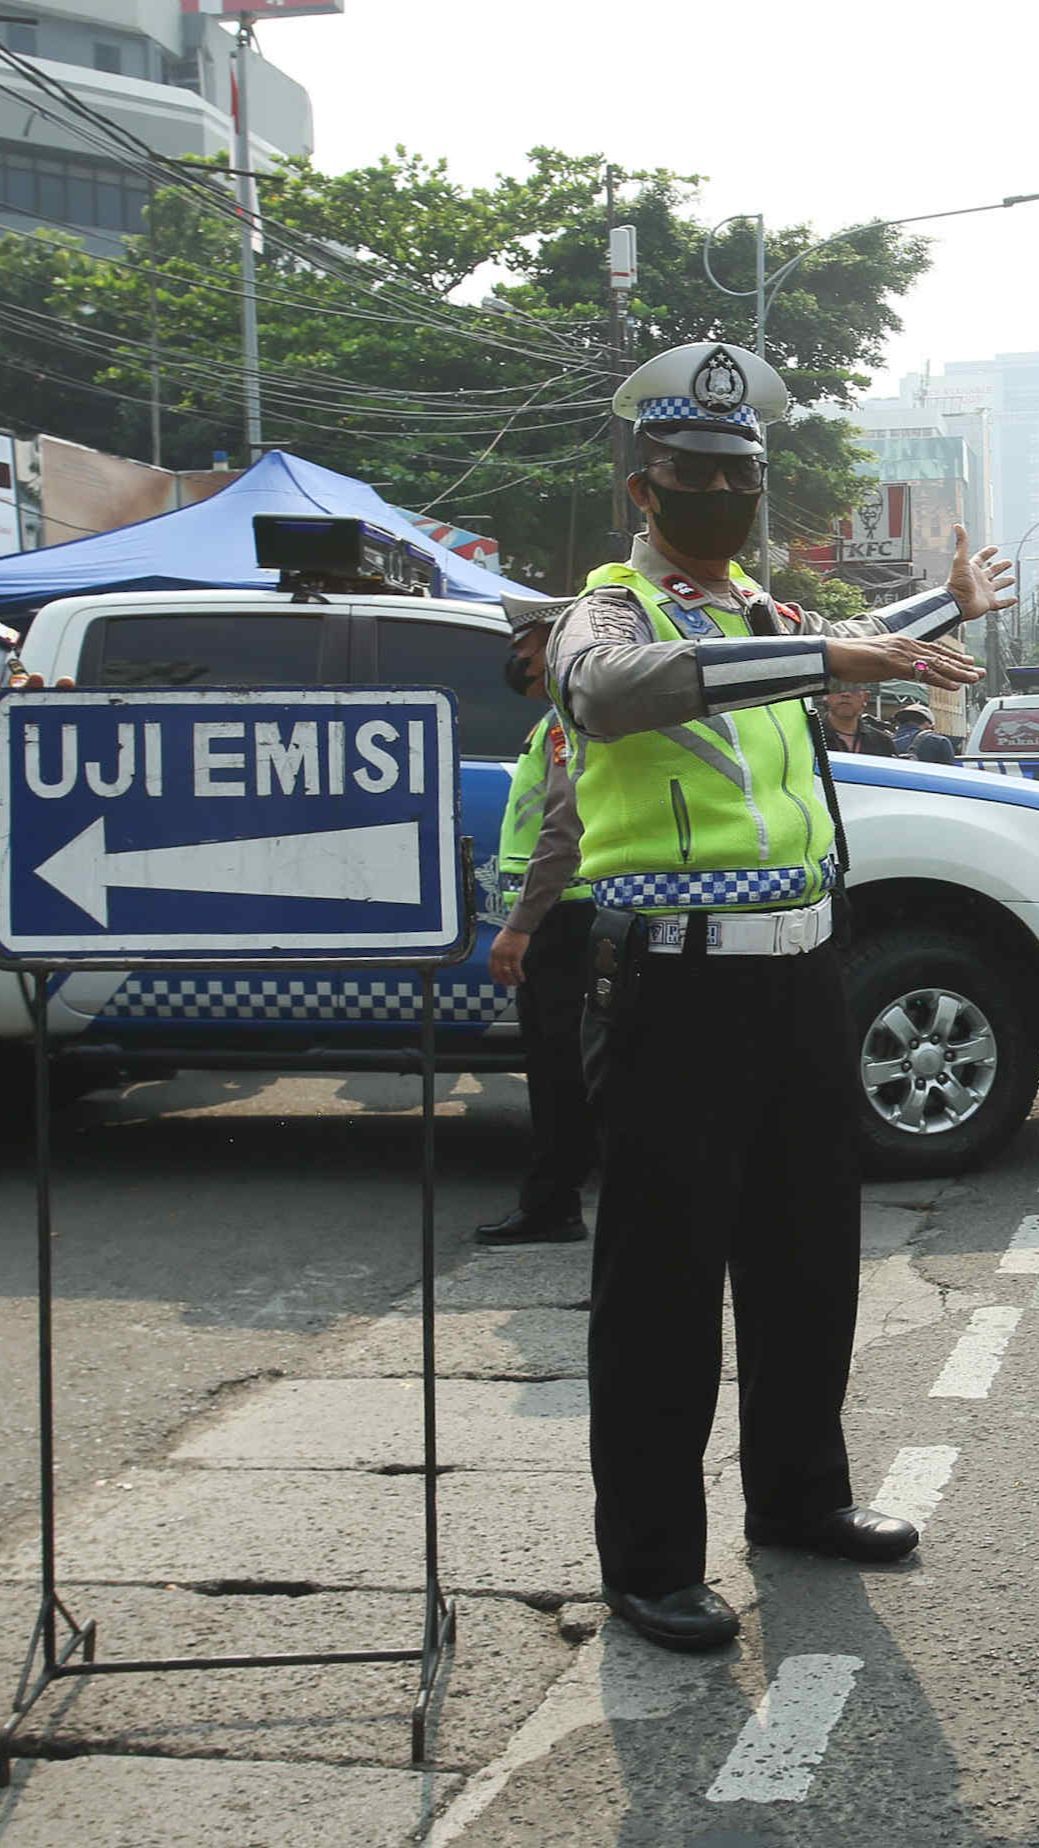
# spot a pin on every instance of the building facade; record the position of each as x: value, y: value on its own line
x: 945, y: 460
x: 147, y: 66
x: 1005, y: 391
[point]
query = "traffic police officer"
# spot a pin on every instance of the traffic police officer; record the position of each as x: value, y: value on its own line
x: 542, y: 953
x: 718, y: 1045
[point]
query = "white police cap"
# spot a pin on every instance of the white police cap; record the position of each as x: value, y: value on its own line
x: 705, y: 396
x: 525, y: 612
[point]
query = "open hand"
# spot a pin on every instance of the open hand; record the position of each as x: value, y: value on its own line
x: 975, y: 582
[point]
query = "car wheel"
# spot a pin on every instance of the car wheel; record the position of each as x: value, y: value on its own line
x: 948, y: 1055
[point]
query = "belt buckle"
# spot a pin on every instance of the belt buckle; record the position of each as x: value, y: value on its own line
x: 793, y: 931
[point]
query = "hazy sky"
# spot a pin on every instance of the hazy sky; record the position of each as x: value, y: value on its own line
x: 804, y: 111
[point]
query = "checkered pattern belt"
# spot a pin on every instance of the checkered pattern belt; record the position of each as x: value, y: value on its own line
x: 756, y: 933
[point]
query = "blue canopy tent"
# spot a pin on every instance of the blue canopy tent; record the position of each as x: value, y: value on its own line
x: 209, y: 546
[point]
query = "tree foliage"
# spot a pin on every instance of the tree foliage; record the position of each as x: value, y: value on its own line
x: 381, y: 357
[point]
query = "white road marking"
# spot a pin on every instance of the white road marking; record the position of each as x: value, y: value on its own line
x: 974, y: 1362
x: 774, y: 1758
x: 913, y: 1485
x: 625, y: 1681
x: 1021, y: 1257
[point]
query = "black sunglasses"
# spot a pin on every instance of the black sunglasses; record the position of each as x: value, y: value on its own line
x: 744, y: 474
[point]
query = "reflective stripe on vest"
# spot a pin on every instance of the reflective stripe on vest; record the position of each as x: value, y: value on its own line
x: 525, y: 810
x: 719, y: 813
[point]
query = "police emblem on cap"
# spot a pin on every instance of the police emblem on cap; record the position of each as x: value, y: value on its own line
x: 718, y: 383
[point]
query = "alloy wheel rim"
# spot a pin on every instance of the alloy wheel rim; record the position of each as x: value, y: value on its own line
x: 928, y: 1061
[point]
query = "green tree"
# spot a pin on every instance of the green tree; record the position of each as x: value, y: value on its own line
x: 832, y: 597
x: 492, y: 411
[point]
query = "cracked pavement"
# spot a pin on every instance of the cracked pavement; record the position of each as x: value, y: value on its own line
x: 240, y: 1434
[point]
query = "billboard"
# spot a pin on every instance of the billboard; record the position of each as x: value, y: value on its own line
x: 261, y: 9
x: 878, y: 533
x: 10, y: 531
x: 477, y: 547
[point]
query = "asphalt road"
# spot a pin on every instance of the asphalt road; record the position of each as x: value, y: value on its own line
x: 208, y: 1232
x: 211, y: 1232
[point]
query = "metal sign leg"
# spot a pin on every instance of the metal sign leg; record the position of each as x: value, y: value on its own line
x: 439, y: 1627
x: 44, y: 1636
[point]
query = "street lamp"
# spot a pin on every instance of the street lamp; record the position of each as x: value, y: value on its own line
x: 767, y: 287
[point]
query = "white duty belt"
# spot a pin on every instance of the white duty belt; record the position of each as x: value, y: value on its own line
x: 753, y: 933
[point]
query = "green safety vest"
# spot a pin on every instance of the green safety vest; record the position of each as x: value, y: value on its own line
x: 525, y: 810
x: 717, y: 813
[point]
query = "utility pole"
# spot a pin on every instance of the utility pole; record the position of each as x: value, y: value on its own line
x: 571, y: 537
x: 622, y: 260
x: 765, y: 563
x: 993, y: 665
x: 153, y: 300
x: 244, y: 188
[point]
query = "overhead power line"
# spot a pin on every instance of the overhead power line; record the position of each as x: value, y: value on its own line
x: 115, y: 141
x: 329, y: 395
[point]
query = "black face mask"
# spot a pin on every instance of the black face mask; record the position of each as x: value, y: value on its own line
x: 705, y: 525
x: 517, y: 674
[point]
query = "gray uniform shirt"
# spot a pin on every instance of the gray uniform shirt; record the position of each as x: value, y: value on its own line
x: 615, y: 677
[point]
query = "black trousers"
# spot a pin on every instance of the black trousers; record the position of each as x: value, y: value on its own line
x: 549, y: 1004
x: 727, y: 1112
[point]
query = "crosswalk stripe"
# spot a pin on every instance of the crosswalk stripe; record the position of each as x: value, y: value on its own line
x: 974, y: 1362
x: 1021, y: 1257
x: 913, y: 1485
x: 775, y: 1756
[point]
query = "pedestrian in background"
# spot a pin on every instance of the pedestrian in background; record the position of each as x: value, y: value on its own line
x: 542, y: 953
x: 910, y: 720
x: 932, y: 747
x: 847, y: 725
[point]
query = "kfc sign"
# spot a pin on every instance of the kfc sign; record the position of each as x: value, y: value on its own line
x: 878, y: 531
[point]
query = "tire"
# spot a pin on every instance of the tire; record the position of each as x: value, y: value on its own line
x: 948, y: 1052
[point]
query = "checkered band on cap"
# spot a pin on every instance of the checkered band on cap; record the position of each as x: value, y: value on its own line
x: 686, y: 410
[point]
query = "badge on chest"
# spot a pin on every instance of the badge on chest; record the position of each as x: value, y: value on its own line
x: 685, y: 608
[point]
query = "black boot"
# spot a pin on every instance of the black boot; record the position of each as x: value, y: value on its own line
x: 541, y: 1228
x: 691, y: 1619
x: 862, y: 1534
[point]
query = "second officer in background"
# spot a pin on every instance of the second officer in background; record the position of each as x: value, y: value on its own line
x: 542, y: 952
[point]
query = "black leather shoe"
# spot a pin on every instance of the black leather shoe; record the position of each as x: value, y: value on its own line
x: 693, y: 1618
x: 520, y: 1228
x: 850, y: 1533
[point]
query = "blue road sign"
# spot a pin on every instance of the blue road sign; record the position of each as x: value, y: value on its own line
x: 221, y: 825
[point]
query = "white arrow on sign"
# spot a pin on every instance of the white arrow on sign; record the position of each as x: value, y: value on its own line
x: 379, y: 863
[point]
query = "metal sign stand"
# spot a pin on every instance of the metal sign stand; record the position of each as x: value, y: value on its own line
x: 47, y: 1660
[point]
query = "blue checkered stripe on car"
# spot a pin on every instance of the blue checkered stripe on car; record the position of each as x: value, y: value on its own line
x: 263, y: 998
x: 673, y: 410
x: 689, y: 891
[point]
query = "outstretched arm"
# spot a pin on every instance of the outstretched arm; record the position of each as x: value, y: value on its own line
x: 613, y: 677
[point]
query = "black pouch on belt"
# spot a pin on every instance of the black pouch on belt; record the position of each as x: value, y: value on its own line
x: 616, y: 953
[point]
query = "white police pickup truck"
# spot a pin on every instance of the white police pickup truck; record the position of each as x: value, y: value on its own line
x: 944, y: 971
